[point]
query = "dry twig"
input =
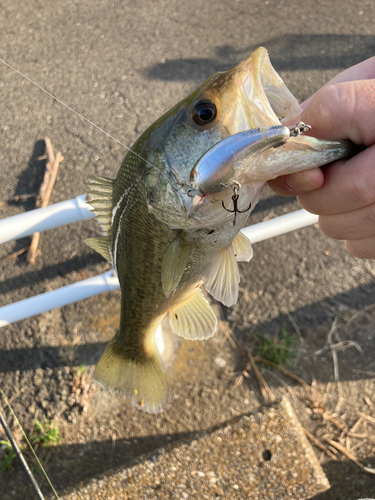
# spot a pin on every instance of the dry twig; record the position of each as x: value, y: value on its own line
x: 299, y: 335
x: 333, y: 351
x: 296, y: 327
x: 342, y: 346
x: 365, y: 372
x: 319, y: 444
x: 42, y: 200
x: 368, y: 401
x: 367, y: 417
x: 264, y: 388
x: 10, y: 400
x: 283, y: 383
x: 345, y: 452
x: 14, y: 254
x: 266, y: 391
x: 365, y: 312
x: 228, y: 335
x: 289, y: 374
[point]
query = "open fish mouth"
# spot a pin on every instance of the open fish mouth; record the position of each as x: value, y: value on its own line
x: 259, y: 147
x: 266, y: 99
x: 205, y: 155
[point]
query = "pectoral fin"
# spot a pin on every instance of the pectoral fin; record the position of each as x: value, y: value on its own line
x: 242, y: 248
x: 193, y: 319
x: 223, y: 277
x: 174, y: 263
x: 100, y: 245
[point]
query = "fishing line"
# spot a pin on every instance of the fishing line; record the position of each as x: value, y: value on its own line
x: 31, y: 448
x: 86, y: 119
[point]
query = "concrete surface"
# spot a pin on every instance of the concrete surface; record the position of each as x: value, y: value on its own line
x: 262, y: 455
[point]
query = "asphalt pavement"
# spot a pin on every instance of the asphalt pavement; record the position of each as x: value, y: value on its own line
x: 121, y: 64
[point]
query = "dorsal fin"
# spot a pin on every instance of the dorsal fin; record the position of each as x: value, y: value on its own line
x: 174, y: 263
x: 100, y: 191
x: 242, y: 248
x: 193, y: 319
x: 222, y: 277
x: 100, y: 245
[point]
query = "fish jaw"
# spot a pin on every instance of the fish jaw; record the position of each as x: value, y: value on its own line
x: 240, y: 160
x: 265, y: 98
x: 265, y: 92
x: 298, y: 154
x: 247, y: 96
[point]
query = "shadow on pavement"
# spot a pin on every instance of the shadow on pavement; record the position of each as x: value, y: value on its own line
x: 69, y: 465
x: 49, y: 272
x: 288, y: 53
x: 308, y: 318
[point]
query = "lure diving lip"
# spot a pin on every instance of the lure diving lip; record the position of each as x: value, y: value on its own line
x: 225, y: 162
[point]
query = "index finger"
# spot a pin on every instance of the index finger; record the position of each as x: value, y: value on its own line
x: 348, y: 185
x: 365, y: 70
x: 343, y: 111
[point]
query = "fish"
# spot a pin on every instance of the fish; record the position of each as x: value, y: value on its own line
x: 172, y: 216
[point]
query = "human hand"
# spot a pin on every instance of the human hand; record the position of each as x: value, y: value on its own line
x: 342, y: 193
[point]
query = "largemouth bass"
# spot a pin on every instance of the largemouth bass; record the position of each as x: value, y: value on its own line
x: 172, y: 217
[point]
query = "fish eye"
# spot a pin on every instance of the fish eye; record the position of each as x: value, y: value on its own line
x: 204, y: 112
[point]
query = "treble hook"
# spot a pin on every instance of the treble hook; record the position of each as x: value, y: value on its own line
x: 235, y: 210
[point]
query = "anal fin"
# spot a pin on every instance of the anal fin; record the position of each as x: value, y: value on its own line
x: 100, y: 245
x: 223, y: 277
x: 193, y: 319
x: 242, y: 248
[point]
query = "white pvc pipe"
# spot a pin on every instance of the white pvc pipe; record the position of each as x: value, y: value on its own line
x: 41, y: 219
x: 279, y: 225
x: 58, y: 298
x: 108, y: 281
x: 77, y: 209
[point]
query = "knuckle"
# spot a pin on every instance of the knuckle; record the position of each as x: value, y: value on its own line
x: 330, y: 228
x: 307, y: 201
x: 371, y: 215
x: 359, y: 249
x: 328, y: 103
x: 363, y: 190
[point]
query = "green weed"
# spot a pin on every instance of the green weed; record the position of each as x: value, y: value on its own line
x: 45, y: 434
x: 277, y: 350
x: 81, y: 370
x: 7, y: 460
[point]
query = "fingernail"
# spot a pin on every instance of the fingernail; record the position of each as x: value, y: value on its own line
x: 300, y: 182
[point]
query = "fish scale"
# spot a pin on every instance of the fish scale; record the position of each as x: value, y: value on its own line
x: 142, y: 245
